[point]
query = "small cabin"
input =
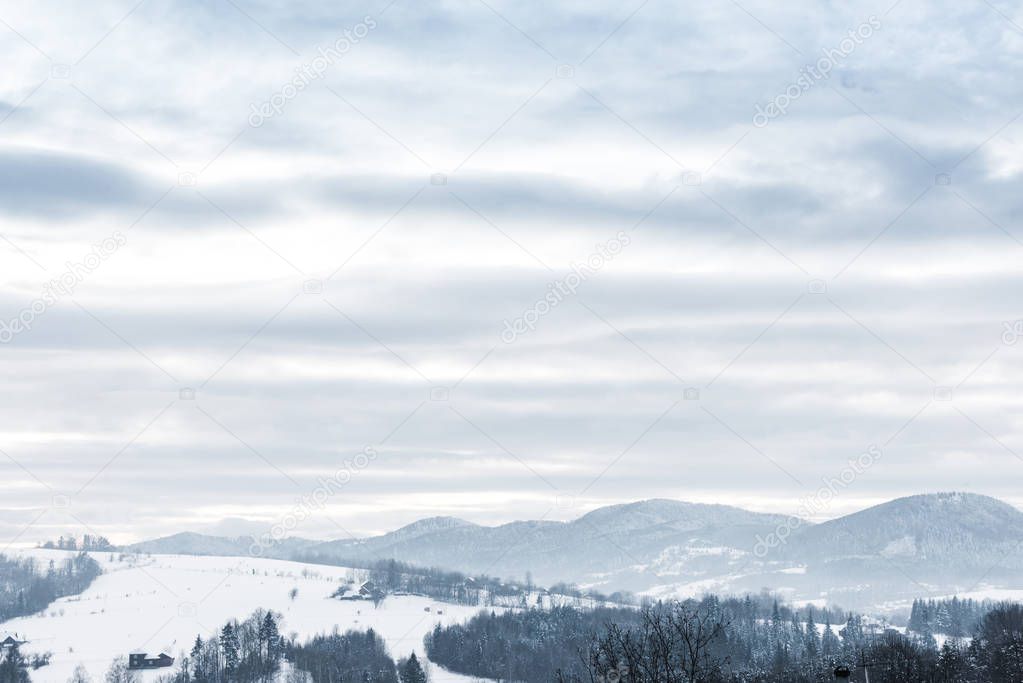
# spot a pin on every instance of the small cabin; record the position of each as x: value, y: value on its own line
x: 8, y: 640
x: 141, y: 660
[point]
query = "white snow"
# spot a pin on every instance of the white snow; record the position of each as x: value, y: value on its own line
x: 691, y: 589
x: 164, y: 601
x: 900, y: 547
x: 814, y: 602
x: 675, y: 560
x: 988, y: 593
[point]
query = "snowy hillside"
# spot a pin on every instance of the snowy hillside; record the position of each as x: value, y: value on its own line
x: 163, y: 602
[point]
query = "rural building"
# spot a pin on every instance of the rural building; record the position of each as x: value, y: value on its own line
x: 9, y: 640
x: 140, y: 660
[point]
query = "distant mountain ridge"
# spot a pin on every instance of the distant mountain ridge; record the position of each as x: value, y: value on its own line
x: 192, y: 543
x: 606, y: 539
x: 667, y: 547
x: 609, y: 537
x: 934, y: 531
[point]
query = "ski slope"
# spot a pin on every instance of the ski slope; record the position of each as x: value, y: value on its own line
x: 160, y: 603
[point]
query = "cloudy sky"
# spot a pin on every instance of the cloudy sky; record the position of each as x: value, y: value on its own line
x: 531, y: 258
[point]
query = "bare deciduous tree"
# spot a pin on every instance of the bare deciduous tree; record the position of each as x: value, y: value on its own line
x: 676, y: 642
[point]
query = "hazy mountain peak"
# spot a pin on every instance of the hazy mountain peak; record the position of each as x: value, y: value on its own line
x: 676, y: 513
x: 430, y: 525
x: 947, y: 530
x: 958, y: 506
x: 954, y: 499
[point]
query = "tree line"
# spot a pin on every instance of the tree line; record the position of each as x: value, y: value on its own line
x: 254, y: 651
x: 88, y: 542
x: 393, y: 576
x: 25, y: 588
x: 716, y: 640
x: 954, y: 617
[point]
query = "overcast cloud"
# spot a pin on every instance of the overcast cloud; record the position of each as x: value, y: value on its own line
x: 790, y: 290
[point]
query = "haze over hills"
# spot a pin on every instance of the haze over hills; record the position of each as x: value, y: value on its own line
x: 932, y: 528
x: 923, y: 544
x: 942, y: 542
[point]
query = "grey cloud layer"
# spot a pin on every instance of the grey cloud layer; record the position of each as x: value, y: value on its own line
x: 412, y: 282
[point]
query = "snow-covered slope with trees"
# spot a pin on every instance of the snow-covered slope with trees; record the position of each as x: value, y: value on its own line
x: 161, y: 603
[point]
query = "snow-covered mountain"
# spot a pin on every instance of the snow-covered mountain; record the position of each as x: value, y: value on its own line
x: 930, y: 528
x: 933, y: 529
x: 191, y: 543
x: 924, y: 545
x: 608, y: 540
x: 942, y: 542
x: 946, y: 541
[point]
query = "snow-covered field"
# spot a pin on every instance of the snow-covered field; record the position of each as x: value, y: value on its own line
x: 162, y: 602
x: 988, y: 593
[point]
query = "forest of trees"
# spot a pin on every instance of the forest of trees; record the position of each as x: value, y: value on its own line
x: 249, y: 650
x: 719, y: 641
x: 13, y: 667
x: 522, y: 645
x: 254, y: 651
x: 392, y: 576
x: 25, y: 589
x: 955, y: 617
x: 355, y: 656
